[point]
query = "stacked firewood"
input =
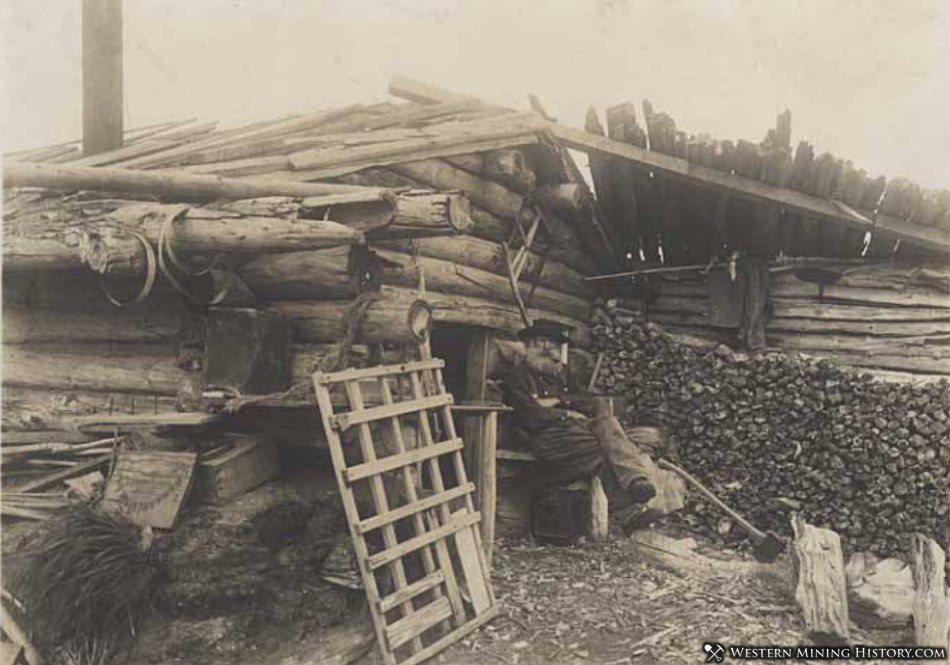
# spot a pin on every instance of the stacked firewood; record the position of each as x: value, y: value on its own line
x: 773, y: 432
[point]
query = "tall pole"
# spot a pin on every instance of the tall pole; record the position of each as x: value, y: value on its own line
x: 101, y: 75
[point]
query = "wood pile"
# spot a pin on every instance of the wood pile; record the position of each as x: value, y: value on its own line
x: 868, y: 459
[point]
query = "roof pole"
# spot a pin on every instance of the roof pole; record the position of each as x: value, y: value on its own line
x: 101, y: 75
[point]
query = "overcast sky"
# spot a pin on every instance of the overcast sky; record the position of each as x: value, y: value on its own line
x: 868, y: 80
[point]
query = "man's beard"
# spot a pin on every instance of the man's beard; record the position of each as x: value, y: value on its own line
x: 542, y: 363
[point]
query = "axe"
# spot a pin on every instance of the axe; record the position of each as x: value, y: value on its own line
x: 766, y: 546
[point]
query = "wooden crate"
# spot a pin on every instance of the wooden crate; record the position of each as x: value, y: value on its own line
x: 247, y: 464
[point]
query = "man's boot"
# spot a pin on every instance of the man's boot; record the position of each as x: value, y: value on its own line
x: 641, y: 490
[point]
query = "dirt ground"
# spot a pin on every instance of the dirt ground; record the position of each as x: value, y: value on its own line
x: 245, y: 587
x: 620, y: 602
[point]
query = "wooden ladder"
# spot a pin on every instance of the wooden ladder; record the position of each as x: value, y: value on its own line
x: 408, y: 503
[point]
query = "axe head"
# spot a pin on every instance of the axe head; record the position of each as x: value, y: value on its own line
x: 768, y: 549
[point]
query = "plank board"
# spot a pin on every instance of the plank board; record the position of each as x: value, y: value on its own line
x: 150, y: 487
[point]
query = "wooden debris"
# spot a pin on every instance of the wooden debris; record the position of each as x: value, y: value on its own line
x: 244, y: 466
x: 150, y: 487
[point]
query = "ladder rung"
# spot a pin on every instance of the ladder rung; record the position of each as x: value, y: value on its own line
x: 344, y: 421
x: 416, y: 588
x: 374, y: 372
x: 411, y: 545
x: 418, y: 622
x: 400, y: 460
x: 448, y: 640
x: 416, y: 507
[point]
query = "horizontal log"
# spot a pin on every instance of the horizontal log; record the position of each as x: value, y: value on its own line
x: 931, y: 366
x: 916, y: 347
x: 878, y: 329
x: 325, y: 274
x: 890, y: 376
x: 486, y: 225
x: 170, y: 186
x: 488, y: 255
x: 157, y: 321
x: 500, y: 201
x: 199, y: 230
x: 130, y: 368
x: 385, y: 320
x: 794, y: 288
x: 467, y: 310
x: 54, y: 409
x: 34, y: 254
x: 422, y: 214
x: 400, y: 269
x: 509, y: 168
x: 915, y: 365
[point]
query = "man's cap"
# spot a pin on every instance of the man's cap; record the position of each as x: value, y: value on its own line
x: 547, y: 330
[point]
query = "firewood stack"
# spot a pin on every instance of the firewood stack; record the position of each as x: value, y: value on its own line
x: 870, y: 460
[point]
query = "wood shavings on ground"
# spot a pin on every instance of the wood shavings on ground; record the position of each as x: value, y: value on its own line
x: 608, y: 603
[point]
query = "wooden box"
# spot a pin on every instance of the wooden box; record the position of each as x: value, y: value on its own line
x: 246, y: 464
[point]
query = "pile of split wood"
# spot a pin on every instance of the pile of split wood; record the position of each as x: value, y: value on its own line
x: 774, y: 432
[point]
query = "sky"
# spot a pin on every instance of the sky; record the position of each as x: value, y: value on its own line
x: 867, y: 80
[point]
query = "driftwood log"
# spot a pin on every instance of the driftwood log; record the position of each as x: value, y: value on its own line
x: 820, y: 588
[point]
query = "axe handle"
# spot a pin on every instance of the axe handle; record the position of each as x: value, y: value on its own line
x: 757, y: 535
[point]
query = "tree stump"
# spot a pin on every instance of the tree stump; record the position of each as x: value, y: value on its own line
x: 820, y: 588
x: 931, y: 600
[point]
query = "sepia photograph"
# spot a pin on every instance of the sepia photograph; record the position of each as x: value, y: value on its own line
x: 388, y: 332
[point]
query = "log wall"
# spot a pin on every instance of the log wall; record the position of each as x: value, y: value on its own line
x: 893, y: 321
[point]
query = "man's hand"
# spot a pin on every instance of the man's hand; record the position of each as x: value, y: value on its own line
x: 549, y: 402
x: 576, y: 415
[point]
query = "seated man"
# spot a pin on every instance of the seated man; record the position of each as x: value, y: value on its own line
x: 574, y: 435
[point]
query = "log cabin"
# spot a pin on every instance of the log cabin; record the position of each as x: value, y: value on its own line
x: 202, y: 270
